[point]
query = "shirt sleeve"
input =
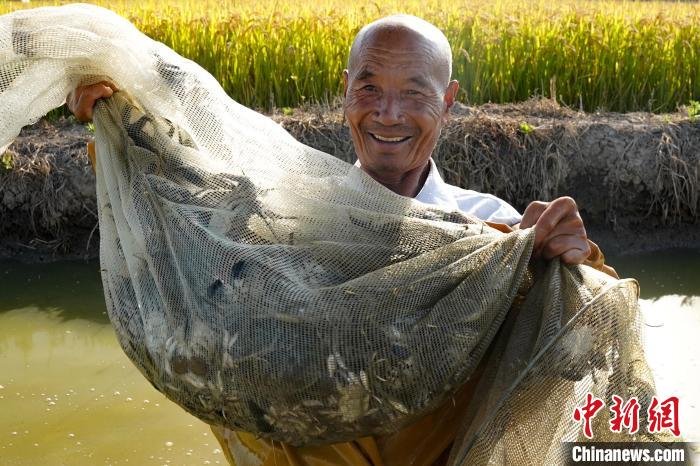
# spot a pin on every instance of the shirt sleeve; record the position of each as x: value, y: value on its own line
x: 486, y: 207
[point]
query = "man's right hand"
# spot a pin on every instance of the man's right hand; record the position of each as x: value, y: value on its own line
x: 559, y: 230
x: 81, y: 102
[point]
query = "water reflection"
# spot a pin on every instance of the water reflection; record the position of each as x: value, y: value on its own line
x: 672, y: 327
x: 72, y: 289
x: 68, y: 394
x: 670, y: 290
x: 675, y: 271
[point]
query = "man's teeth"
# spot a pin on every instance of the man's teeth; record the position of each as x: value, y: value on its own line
x: 396, y: 139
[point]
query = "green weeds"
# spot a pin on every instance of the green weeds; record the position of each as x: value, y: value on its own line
x: 6, y: 161
x: 693, y: 110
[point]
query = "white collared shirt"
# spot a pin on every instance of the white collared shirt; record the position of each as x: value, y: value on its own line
x: 482, y: 206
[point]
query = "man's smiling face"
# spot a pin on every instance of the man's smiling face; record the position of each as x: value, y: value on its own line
x: 397, y: 97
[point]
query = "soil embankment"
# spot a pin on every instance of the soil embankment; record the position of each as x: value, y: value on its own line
x: 636, y: 177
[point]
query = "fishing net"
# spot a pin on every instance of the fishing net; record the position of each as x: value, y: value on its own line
x: 268, y: 287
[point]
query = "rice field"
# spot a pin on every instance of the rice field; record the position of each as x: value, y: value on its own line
x: 593, y: 55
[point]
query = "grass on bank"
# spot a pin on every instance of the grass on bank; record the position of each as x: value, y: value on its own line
x: 592, y: 55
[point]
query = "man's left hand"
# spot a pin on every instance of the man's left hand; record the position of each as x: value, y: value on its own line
x: 559, y: 230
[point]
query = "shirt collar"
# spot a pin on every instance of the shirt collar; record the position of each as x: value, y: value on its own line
x: 434, y: 191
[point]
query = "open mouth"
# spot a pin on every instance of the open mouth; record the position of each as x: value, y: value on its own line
x: 387, y: 139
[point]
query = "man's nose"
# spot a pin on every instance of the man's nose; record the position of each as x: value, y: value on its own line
x: 389, y: 112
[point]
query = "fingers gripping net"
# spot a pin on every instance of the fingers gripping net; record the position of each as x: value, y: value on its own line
x: 269, y: 287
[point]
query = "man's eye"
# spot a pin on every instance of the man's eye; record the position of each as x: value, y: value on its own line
x: 412, y: 92
x: 369, y: 87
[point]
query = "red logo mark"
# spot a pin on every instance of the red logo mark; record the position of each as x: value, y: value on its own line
x: 664, y: 418
x: 586, y: 413
x: 625, y: 415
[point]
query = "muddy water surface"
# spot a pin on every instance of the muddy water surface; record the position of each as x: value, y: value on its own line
x: 670, y: 292
x: 68, y: 394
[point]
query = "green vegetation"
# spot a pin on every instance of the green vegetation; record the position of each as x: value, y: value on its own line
x: 603, y: 55
x: 693, y: 109
x: 6, y: 161
x: 525, y: 127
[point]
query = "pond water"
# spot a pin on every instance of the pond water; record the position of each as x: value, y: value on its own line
x: 69, y: 395
x: 670, y: 291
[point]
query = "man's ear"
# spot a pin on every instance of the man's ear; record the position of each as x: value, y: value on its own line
x: 450, y: 96
x: 345, y: 83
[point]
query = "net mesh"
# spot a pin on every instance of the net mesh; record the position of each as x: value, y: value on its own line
x: 268, y: 287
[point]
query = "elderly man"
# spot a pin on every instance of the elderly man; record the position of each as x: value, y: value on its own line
x: 398, y: 95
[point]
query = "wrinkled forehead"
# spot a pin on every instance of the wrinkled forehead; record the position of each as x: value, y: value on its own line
x: 397, y: 50
x: 397, y: 47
